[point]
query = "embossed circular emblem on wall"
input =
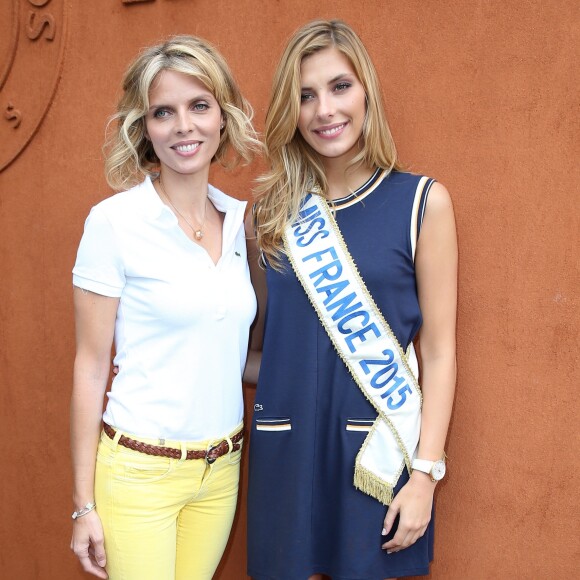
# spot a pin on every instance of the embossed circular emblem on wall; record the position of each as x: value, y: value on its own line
x: 31, y: 57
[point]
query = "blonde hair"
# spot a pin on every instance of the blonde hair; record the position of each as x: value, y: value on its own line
x: 295, y: 168
x: 129, y: 155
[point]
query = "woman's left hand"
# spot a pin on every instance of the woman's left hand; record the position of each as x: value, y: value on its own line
x: 413, y: 505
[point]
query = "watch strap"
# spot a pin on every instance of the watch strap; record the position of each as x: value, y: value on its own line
x: 423, y: 465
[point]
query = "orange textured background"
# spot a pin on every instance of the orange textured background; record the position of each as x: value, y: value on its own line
x: 483, y: 96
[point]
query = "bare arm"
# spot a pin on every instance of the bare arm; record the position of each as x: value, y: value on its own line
x: 436, y: 272
x: 95, y: 324
x: 436, y: 267
x: 258, y: 276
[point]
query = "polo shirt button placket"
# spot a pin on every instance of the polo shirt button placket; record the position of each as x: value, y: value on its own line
x: 220, y: 311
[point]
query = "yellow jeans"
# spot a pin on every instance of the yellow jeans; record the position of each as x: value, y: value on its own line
x: 164, y: 519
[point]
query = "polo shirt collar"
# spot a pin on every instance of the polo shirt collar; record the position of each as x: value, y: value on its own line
x: 151, y: 203
x: 154, y: 208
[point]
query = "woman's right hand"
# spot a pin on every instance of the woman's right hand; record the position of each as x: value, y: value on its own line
x: 88, y: 544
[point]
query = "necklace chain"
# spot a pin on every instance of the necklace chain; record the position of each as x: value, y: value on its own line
x: 197, y: 232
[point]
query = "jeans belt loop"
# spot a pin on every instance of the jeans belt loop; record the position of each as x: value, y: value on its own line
x: 183, y: 451
x: 116, y: 438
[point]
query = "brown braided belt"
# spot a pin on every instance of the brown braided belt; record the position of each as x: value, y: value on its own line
x: 210, y: 455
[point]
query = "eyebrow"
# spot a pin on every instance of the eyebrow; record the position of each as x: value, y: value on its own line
x: 201, y: 97
x: 332, y: 80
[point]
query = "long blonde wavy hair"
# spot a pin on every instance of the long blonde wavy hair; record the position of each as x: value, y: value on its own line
x: 129, y: 155
x: 294, y: 167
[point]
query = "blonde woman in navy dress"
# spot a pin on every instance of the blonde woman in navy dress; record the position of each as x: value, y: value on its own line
x: 162, y: 271
x: 311, y: 512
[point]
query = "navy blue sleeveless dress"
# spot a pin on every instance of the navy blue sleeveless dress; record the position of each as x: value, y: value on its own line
x: 304, y: 514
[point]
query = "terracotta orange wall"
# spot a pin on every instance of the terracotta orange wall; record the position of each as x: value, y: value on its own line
x: 481, y: 95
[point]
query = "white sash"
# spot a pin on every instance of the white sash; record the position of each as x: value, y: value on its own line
x: 364, y: 341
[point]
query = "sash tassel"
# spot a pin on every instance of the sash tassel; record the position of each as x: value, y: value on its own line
x: 367, y: 482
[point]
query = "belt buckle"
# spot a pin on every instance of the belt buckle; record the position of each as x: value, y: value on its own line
x: 209, y: 460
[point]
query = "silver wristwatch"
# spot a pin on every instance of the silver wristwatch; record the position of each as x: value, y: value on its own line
x: 434, y: 469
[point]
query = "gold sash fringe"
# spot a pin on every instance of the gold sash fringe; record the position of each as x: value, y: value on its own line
x: 370, y: 484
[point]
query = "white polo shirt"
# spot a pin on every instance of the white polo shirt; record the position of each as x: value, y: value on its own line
x: 181, y: 334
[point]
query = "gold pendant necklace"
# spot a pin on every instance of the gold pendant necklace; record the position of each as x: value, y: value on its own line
x: 197, y: 233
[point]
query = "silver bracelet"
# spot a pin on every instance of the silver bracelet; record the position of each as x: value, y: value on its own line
x: 84, y: 510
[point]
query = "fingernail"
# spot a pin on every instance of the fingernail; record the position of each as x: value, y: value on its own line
x: 384, y: 532
x: 389, y: 552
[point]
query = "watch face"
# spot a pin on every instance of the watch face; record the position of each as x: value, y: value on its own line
x: 438, y: 470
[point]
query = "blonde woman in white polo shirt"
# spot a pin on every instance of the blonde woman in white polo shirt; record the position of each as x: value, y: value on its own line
x: 161, y: 271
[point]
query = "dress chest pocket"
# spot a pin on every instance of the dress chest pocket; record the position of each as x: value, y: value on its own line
x: 274, y: 424
x: 359, y: 425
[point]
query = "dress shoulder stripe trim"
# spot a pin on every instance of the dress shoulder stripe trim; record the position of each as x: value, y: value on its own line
x: 418, y: 212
